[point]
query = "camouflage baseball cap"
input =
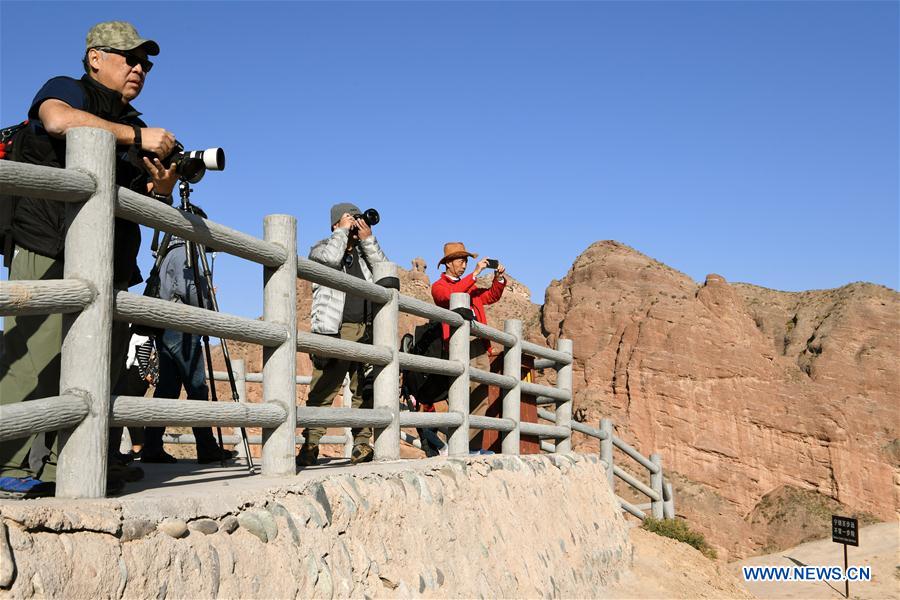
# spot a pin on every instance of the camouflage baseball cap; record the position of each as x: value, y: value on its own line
x: 120, y: 35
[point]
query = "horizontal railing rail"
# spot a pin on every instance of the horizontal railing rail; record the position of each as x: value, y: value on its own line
x: 44, y: 297
x: 151, y: 213
x: 37, y: 416
x: 49, y: 183
x: 141, y: 310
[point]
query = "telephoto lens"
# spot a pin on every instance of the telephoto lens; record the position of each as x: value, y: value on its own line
x: 213, y: 158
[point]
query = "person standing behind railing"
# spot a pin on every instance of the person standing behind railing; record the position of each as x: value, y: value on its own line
x: 116, y: 66
x: 181, y: 357
x: 452, y: 281
x: 353, y: 249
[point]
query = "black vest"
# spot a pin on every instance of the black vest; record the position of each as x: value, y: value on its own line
x: 40, y: 225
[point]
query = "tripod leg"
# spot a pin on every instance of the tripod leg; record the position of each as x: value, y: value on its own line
x: 191, y: 255
x: 213, y: 394
x: 214, y: 305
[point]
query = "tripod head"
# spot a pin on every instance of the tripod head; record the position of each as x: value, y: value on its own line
x: 184, y: 191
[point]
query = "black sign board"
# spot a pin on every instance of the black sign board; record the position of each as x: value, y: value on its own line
x: 844, y: 530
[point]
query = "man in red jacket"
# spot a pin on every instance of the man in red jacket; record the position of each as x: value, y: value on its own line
x: 451, y: 281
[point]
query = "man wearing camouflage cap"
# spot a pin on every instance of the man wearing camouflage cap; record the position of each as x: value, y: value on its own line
x: 116, y: 66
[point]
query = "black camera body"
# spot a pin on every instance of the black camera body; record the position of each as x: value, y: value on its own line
x: 191, y: 166
x: 370, y: 216
x: 492, y: 263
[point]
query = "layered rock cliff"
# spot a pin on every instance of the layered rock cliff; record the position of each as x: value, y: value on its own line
x: 743, y: 390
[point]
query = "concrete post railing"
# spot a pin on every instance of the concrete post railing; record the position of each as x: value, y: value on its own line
x: 512, y: 398
x: 280, y: 362
x: 458, y: 396
x: 656, y: 483
x: 668, y: 501
x: 84, y: 410
x: 387, y: 378
x: 606, y: 451
x: 564, y: 409
x: 85, y: 367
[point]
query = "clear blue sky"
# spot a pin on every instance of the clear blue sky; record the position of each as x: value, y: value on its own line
x: 754, y: 140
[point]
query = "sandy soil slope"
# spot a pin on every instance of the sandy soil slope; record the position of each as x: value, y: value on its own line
x: 665, y: 568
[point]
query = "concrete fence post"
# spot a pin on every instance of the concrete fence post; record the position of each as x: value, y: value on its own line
x: 387, y: 378
x: 239, y: 368
x: 606, y: 451
x: 668, y: 500
x: 85, y: 361
x: 656, y: 484
x: 280, y: 362
x: 458, y: 396
x: 347, y: 402
x: 564, y: 410
x: 512, y: 398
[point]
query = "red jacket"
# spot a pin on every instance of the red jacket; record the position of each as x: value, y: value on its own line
x: 444, y: 286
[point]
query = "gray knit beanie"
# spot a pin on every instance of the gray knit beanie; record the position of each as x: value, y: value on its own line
x: 338, y: 210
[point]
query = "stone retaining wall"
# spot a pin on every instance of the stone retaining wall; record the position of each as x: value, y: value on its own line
x: 506, y: 526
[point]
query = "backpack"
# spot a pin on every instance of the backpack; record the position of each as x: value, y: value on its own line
x: 8, y: 203
x: 426, y: 388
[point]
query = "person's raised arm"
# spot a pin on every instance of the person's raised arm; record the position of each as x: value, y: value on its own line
x: 58, y: 117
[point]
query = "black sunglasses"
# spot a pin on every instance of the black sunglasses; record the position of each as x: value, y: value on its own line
x: 130, y: 59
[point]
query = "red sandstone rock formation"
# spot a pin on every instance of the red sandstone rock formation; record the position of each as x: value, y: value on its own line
x: 742, y: 389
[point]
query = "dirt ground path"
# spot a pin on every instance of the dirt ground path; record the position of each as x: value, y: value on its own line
x: 665, y: 568
x: 879, y: 548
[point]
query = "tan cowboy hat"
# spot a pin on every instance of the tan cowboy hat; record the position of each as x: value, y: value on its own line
x: 455, y: 250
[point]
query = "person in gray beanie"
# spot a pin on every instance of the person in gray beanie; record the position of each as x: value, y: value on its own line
x: 353, y: 249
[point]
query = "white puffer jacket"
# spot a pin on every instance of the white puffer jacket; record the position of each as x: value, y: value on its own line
x: 328, y: 303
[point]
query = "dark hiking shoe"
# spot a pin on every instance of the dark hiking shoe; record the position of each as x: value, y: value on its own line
x: 23, y: 488
x: 362, y: 453
x: 158, y: 457
x: 307, y: 456
x: 214, y: 456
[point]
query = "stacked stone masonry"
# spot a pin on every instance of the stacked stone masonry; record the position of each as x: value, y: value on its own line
x: 496, y: 526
